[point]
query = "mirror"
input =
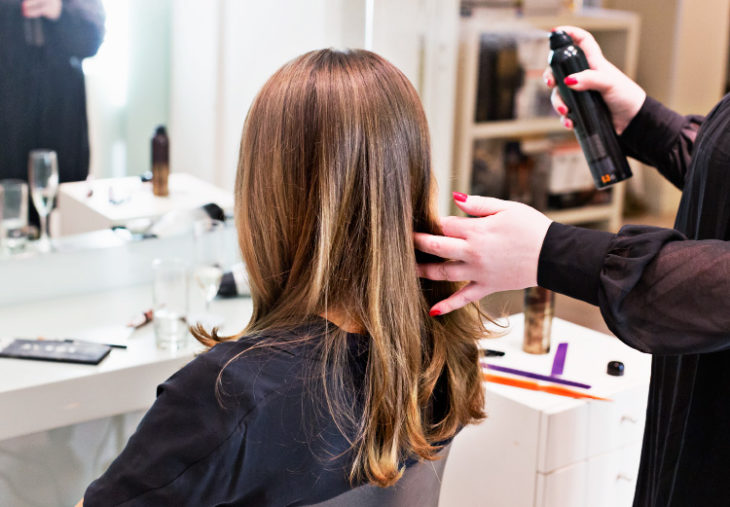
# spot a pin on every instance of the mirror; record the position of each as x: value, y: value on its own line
x: 196, y: 65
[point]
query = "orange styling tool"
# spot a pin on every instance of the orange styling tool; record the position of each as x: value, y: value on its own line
x: 535, y: 386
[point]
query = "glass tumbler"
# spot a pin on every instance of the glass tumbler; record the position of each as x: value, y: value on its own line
x: 170, y: 303
x: 14, y: 215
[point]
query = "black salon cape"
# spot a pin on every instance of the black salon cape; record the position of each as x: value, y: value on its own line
x: 42, y: 94
x: 274, y: 443
x: 663, y: 293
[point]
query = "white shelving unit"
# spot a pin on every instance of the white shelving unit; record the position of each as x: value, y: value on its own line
x: 618, y: 34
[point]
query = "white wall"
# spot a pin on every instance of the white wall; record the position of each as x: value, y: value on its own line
x: 223, y: 52
x: 682, y: 62
x: 217, y: 72
x: 127, y: 86
x: 193, y: 87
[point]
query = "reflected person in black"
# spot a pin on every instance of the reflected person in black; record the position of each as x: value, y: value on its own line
x: 42, y: 93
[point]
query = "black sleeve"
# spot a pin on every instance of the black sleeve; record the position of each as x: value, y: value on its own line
x: 179, y: 452
x: 661, y: 138
x: 658, y: 291
x: 79, y: 31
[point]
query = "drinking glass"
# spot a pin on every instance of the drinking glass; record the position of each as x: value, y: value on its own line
x: 43, y: 179
x: 170, y: 303
x: 209, y: 250
x: 14, y: 215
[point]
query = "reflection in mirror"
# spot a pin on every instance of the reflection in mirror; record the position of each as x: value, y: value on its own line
x: 195, y: 66
x: 127, y: 83
x: 42, y: 94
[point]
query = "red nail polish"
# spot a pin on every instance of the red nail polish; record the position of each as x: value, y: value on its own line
x: 458, y: 196
x: 563, y: 110
x: 570, y: 80
x: 435, y: 312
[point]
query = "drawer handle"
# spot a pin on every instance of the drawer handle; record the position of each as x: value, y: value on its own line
x: 624, y: 477
x: 628, y: 418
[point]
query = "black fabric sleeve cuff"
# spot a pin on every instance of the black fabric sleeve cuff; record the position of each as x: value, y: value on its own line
x: 652, y: 131
x: 571, y: 260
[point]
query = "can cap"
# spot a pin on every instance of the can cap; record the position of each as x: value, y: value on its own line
x: 559, y: 39
x: 615, y: 368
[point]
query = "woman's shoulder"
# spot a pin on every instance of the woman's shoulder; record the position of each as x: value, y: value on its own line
x: 248, y: 369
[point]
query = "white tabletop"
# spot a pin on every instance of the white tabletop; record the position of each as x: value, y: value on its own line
x: 586, y: 360
x: 136, y: 199
x: 38, y: 395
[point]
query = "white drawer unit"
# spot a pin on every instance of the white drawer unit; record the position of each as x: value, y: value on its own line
x: 542, y: 450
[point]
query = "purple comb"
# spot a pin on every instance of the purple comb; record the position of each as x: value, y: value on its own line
x: 536, y: 376
x: 559, y: 360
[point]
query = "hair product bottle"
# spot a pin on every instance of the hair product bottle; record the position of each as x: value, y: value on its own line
x: 590, y: 115
x: 539, y: 310
x: 160, y: 162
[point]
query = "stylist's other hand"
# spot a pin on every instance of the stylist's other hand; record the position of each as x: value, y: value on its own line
x: 50, y: 9
x: 623, y: 96
x: 498, y: 249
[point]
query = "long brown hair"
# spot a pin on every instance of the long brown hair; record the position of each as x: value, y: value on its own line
x: 334, y: 176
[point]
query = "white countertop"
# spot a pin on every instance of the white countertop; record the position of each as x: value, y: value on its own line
x: 38, y: 395
x: 137, y: 199
x: 585, y: 362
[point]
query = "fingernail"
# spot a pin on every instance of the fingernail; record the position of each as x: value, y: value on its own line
x: 435, y: 312
x: 458, y: 196
x: 548, y: 81
x: 570, y: 80
x: 563, y: 110
x: 567, y: 123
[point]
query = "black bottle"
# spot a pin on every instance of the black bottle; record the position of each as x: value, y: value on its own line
x: 160, y: 162
x: 590, y: 115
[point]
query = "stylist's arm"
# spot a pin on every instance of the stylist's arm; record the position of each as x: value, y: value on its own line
x: 497, y: 250
x: 657, y: 290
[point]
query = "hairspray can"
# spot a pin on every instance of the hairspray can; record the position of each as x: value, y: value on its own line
x: 590, y: 115
x: 539, y: 311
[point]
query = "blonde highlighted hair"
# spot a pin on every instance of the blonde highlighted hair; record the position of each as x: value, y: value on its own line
x: 334, y: 176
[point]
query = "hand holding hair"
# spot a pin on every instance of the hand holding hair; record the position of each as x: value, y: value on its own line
x: 623, y: 96
x: 496, y: 250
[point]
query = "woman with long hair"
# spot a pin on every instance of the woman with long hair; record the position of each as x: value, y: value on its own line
x: 341, y: 377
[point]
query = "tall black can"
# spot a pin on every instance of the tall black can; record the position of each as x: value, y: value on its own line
x: 590, y: 115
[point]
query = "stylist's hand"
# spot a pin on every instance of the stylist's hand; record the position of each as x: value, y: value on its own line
x: 623, y: 96
x: 50, y: 9
x: 498, y: 250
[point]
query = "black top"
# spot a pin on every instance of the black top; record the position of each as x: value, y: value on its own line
x: 273, y: 443
x: 42, y: 94
x: 668, y: 295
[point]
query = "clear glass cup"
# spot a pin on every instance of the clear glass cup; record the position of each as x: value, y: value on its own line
x: 14, y: 215
x: 43, y: 179
x: 170, y: 303
x: 539, y: 311
x: 209, y: 250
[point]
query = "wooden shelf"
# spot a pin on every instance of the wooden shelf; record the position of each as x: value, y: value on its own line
x: 618, y: 34
x: 517, y: 128
x: 583, y: 214
x: 591, y: 19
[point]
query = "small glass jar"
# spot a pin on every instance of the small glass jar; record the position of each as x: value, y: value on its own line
x: 539, y: 310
